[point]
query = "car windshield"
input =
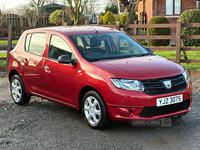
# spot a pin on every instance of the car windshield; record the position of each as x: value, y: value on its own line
x: 105, y: 46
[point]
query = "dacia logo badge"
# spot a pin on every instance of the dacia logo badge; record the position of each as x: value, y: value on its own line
x: 167, y: 84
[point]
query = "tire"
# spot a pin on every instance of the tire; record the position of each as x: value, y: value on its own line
x: 18, y: 92
x: 94, y: 111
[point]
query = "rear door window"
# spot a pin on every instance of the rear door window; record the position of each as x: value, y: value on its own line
x: 35, y: 43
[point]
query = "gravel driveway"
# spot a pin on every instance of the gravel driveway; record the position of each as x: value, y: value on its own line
x: 42, y: 124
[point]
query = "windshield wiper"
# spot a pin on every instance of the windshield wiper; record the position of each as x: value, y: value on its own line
x: 103, y: 59
x: 144, y: 54
x: 121, y: 57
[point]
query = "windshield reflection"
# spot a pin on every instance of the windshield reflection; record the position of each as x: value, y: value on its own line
x: 104, y: 46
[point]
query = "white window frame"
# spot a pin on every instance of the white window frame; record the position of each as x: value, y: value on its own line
x: 173, y: 8
x: 197, y: 4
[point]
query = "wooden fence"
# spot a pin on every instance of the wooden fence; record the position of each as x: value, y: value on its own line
x: 9, y: 38
x: 178, y: 37
x: 19, y: 21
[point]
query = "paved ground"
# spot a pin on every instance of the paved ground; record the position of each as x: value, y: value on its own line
x: 46, y: 125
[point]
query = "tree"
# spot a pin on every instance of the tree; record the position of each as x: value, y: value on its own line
x: 62, y: 2
x: 112, y: 6
x: 130, y: 7
x: 90, y: 7
x: 38, y: 5
x: 56, y: 17
x: 30, y: 11
x: 77, y: 7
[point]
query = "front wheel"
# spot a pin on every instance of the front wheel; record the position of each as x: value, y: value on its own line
x: 94, y: 111
x: 18, y: 92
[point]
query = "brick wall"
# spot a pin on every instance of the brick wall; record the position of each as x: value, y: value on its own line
x: 185, y: 4
x: 140, y: 9
x: 161, y: 9
x: 148, y: 9
x: 188, y: 4
x: 149, y: 5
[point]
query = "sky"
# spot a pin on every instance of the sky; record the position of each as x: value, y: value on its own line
x: 11, y: 3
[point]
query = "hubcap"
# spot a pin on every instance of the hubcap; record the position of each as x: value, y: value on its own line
x: 92, y: 110
x: 16, y: 90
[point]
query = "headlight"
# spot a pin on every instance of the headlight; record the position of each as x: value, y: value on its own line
x: 133, y: 85
x: 186, y: 76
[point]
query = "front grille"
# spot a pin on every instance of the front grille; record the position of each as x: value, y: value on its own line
x: 155, y: 111
x: 155, y: 86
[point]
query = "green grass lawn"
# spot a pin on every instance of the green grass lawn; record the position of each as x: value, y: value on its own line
x: 3, y: 62
x: 167, y: 54
x: 6, y: 42
x: 195, y: 55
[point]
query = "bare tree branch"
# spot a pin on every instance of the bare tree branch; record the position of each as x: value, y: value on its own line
x: 77, y: 7
x: 131, y: 7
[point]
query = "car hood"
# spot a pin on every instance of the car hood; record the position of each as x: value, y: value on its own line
x: 147, y: 67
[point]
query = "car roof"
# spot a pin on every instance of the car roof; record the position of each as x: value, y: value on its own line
x: 77, y: 30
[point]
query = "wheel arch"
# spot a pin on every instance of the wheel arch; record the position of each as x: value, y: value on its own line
x: 85, y: 90
x: 12, y: 73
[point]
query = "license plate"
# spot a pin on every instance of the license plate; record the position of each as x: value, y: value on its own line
x: 169, y: 100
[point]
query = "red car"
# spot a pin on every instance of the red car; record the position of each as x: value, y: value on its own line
x: 100, y: 71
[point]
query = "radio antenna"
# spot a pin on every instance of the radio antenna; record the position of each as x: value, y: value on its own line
x: 96, y: 31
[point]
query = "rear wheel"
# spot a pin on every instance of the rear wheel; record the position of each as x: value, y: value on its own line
x: 94, y: 111
x: 18, y: 92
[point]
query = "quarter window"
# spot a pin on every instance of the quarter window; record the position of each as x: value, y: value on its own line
x: 28, y: 37
x: 58, y: 47
x: 173, y: 7
x: 35, y: 43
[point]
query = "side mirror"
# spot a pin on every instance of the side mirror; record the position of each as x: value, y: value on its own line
x: 150, y: 50
x: 65, y: 59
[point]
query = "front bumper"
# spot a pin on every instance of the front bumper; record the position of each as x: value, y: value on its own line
x: 126, y: 105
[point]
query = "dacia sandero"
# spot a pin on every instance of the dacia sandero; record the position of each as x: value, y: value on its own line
x: 100, y: 71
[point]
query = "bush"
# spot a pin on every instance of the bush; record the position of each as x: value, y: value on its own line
x: 141, y: 41
x: 136, y: 17
x: 158, y: 31
x: 111, y: 22
x: 123, y: 19
x: 118, y: 18
x: 56, y: 17
x: 112, y: 8
x: 191, y: 16
x: 108, y: 17
x: 101, y: 19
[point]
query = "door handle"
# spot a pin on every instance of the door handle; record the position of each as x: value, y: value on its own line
x: 47, y: 69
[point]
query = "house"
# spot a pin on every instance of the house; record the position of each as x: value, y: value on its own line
x: 47, y: 9
x: 171, y: 9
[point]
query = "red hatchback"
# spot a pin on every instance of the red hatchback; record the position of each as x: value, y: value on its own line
x: 100, y: 71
